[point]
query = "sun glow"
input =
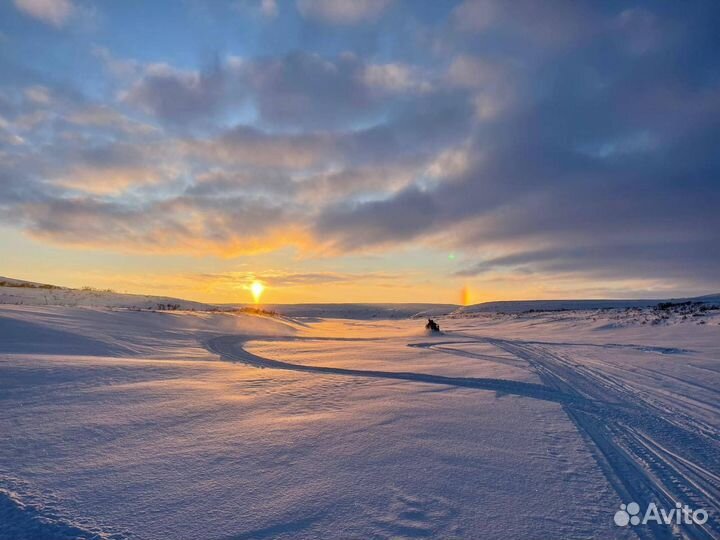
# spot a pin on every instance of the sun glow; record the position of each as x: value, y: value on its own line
x: 465, y: 296
x: 257, y: 288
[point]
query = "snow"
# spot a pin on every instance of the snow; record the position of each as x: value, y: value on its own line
x: 20, y: 292
x: 188, y: 424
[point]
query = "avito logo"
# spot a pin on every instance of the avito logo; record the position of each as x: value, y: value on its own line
x: 629, y: 514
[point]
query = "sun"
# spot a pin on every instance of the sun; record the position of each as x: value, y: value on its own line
x: 257, y: 288
x: 465, y: 296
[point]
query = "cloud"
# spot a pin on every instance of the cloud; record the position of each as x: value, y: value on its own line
x: 641, y: 30
x: 244, y: 145
x: 346, y: 184
x: 221, y: 182
x: 554, y: 141
x: 269, y: 8
x: 120, y: 68
x: 394, y: 78
x: 612, y: 262
x: 401, y: 217
x: 474, y: 72
x: 228, y: 227
x: 307, y: 90
x: 178, y: 96
x: 343, y: 12
x: 474, y: 15
x: 489, y: 83
x: 53, y: 12
x: 285, y: 278
x: 310, y: 91
x: 103, y: 116
x: 609, y: 176
x: 37, y: 94
x: 552, y: 23
x: 111, y: 168
x: 101, y: 171
x: 298, y: 89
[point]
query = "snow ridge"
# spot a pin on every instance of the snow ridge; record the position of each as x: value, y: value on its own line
x: 24, y: 520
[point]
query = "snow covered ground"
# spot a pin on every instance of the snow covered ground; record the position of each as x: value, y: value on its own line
x: 29, y: 293
x: 197, y: 425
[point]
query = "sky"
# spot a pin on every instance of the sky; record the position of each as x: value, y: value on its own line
x: 362, y: 150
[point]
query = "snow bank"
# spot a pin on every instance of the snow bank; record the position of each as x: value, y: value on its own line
x: 19, y: 292
x: 87, y: 331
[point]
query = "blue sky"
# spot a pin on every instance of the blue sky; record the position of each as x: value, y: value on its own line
x: 367, y: 150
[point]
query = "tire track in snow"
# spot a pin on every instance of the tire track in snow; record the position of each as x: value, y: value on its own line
x: 648, y: 451
x: 232, y: 348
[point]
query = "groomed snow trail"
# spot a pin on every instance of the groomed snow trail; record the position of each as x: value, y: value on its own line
x: 649, y: 450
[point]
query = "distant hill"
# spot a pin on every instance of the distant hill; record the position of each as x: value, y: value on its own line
x: 12, y: 282
x: 518, y: 306
x: 360, y: 311
x: 419, y: 310
x: 18, y: 291
x: 21, y: 292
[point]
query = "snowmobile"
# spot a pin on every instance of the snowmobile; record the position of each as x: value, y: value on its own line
x: 432, y: 326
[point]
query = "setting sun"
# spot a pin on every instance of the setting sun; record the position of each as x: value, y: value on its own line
x: 257, y: 289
